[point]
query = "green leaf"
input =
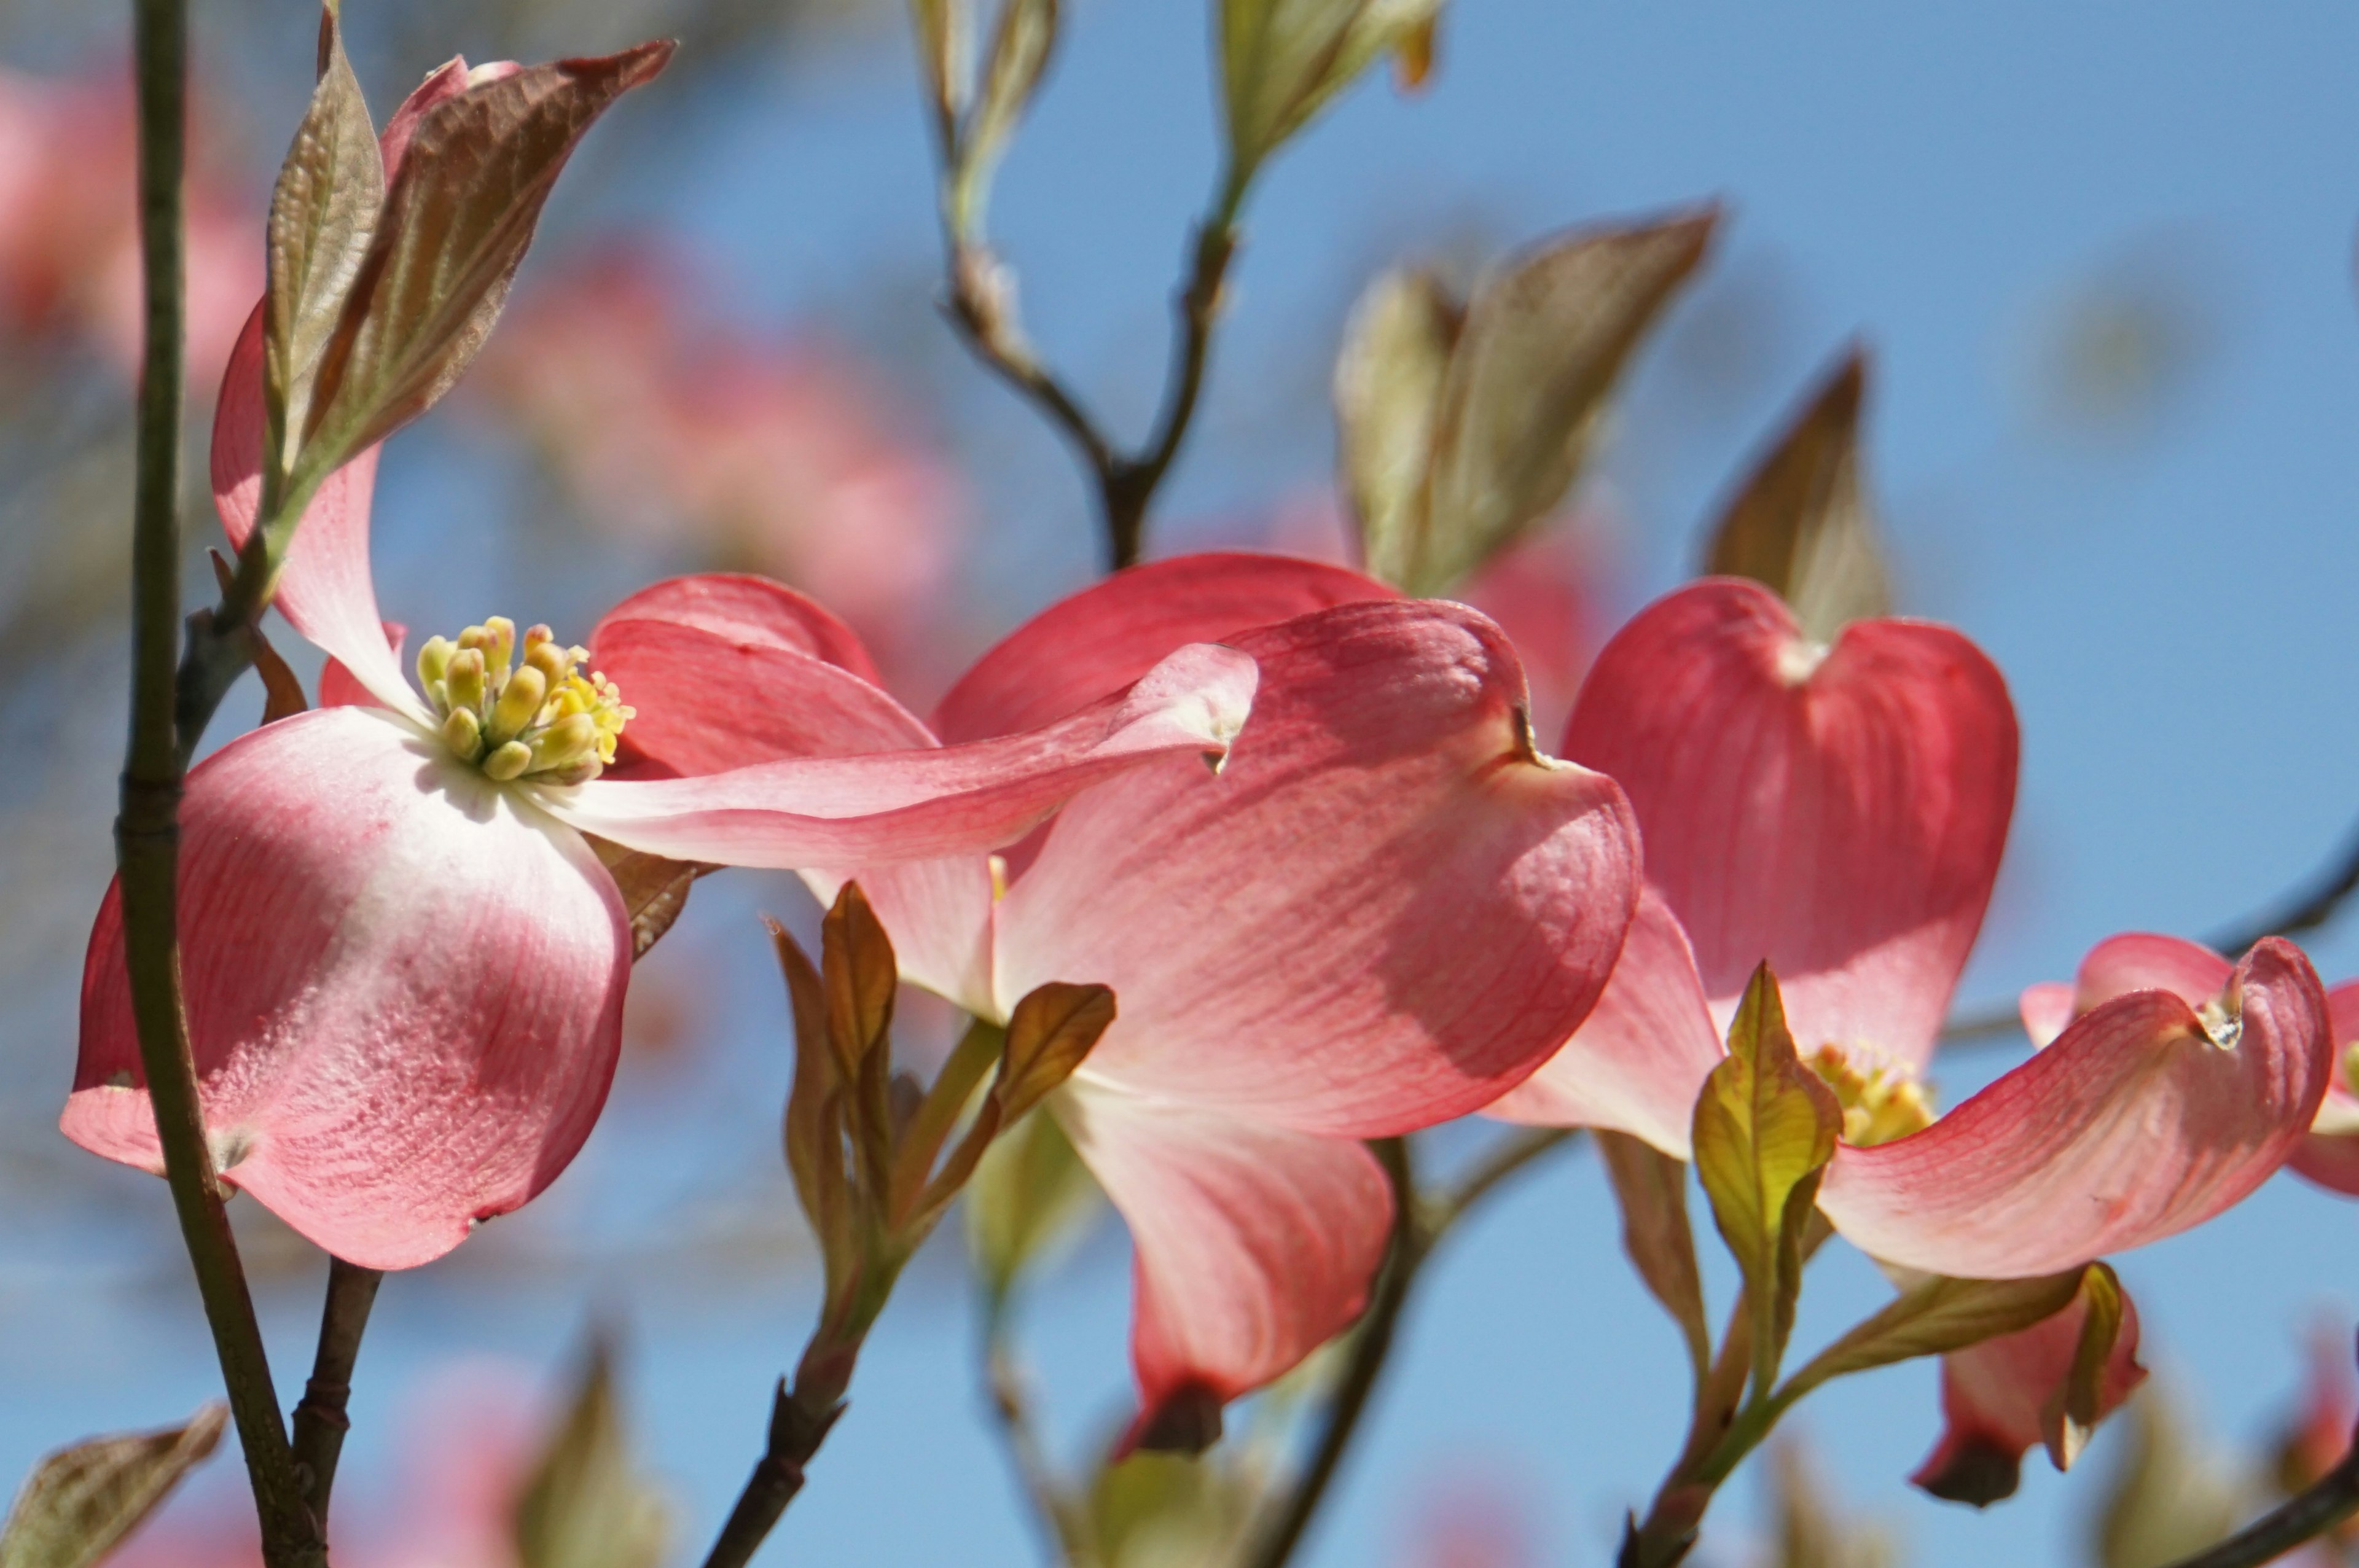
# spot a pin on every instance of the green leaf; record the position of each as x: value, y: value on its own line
x: 942, y: 28
x: 457, y: 222
x: 80, y: 1502
x: 2165, y: 1498
x: 1159, y: 1510
x: 1019, y: 57
x: 655, y: 889
x: 2074, y: 1410
x: 1764, y: 1129
x: 323, y: 213
x: 1543, y: 344
x: 1029, y: 1198
x: 1801, y: 523
x: 1652, y: 1189
x: 1388, y: 382
x: 586, y: 1505
x: 1049, y: 1033
x: 1933, y: 1316
x: 1281, y: 61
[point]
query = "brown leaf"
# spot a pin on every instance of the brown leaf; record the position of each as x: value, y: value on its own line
x: 1652, y: 1189
x: 655, y: 889
x: 1049, y: 1032
x: 811, y: 1147
x: 81, y: 1501
x: 857, y: 963
x: 1543, y: 344
x: 323, y: 214
x: 457, y: 222
x: 1801, y: 523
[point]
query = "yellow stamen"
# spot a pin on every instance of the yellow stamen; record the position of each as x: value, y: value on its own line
x: 519, y: 702
x: 545, y: 721
x: 508, y: 761
x: 1880, y: 1102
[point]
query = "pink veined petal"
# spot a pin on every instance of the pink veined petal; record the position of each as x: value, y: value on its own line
x: 2142, y: 960
x: 749, y: 610
x: 2132, y: 1127
x: 1254, y: 1245
x: 405, y: 989
x: 707, y: 701
x: 325, y: 591
x: 1109, y: 635
x: 872, y: 809
x: 1384, y: 914
x: 2330, y: 1155
x: 1639, y: 1062
x: 1995, y: 1397
x: 1839, y: 813
x: 2046, y: 1010
x: 338, y: 685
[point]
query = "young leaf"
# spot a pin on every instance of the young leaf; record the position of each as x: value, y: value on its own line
x: 1764, y: 1129
x: 456, y: 224
x: 860, y: 973
x: 1282, y: 60
x: 1801, y: 523
x: 1030, y: 1195
x: 814, y: 1146
x: 323, y: 213
x: 2077, y: 1406
x: 586, y: 1505
x: 80, y: 1502
x: 1051, y: 1030
x: 942, y: 28
x: 1387, y: 401
x: 1933, y: 1316
x: 1543, y: 344
x: 1652, y: 1189
x: 1019, y: 56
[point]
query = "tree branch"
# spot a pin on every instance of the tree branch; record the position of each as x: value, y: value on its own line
x: 319, y: 1419
x: 147, y: 833
x: 2298, y: 1520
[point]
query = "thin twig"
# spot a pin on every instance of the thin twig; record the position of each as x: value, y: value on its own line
x: 147, y: 833
x: 1012, y: 1407
x: 2298, y: 1520
x: 797, y: 1427
x: 319, y: 1419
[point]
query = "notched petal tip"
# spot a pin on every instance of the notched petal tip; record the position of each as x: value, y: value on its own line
x: 1187, y: 1420
x: 1969, y: 1468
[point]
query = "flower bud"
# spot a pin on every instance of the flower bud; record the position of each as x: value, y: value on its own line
x: 433, y: 661
x: 463, y: 733
x: 462, y: 679
x: 508, y: 761
x: 519, y: 700
x: 500, y: 651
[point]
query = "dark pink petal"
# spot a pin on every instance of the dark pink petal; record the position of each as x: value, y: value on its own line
x: 2046, y: 1010
x: 326, y: 592
x: 754, y: 612
x: 405, y: 989
x: 1838, y: 813
x: 2330, y: 1155
x: 1255, y: 1245
x: 1385, y: 911
x: 1108, y: 635
x: 708, y: 701
x: 2132, y: 1127
x: 921, y: 805
x: 2142, y: 960
x: 1995, y: 1398
x: 1639, y: 1062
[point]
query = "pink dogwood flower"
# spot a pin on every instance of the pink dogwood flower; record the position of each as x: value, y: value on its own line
x: 1840, y: 812
x: 2145, y: 961
x: 404, y: 962
x: 1381, y: 914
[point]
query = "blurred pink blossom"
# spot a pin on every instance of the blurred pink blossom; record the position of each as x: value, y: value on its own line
x: 69, y: 226
x: 785, y: 458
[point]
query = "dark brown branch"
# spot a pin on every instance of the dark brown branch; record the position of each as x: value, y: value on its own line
x: 2296, y: 1522
x: 796, y: 1433
x: 319, y: 1419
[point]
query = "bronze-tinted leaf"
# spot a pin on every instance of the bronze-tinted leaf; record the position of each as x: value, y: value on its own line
x: 1764, y: 1129
x: 1030, y: 1195
x: 1801, y: 523
x: 1933, y: 1316
x: 1543, y: 344
x: 1388, y: 382
x: 811, y: 1147
x: 1281, y: 61
x: 80, y: 1502
x: 1049, y: 1032
x: 1019, y: 56
x: 457, y: 222
x: 586, y: 1505
x: 860, y: 973
x: 1652, y: 1189
x: 323, y: 213
x: 655, y: 890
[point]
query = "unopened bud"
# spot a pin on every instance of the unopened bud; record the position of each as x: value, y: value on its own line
x: 519, y: 700
x: 500, y: 650
x: 433, y: 660
x: 463, y: 733
x: 508, y: 761
x: 462, y: 679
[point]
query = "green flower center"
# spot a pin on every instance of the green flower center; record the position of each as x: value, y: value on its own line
x: 538, y: 718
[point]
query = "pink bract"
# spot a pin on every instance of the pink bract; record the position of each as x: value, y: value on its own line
x: 1380, y: 915
x: 404, y: 981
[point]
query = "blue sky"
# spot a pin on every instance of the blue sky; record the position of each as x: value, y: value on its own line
x: 2166, y: 593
